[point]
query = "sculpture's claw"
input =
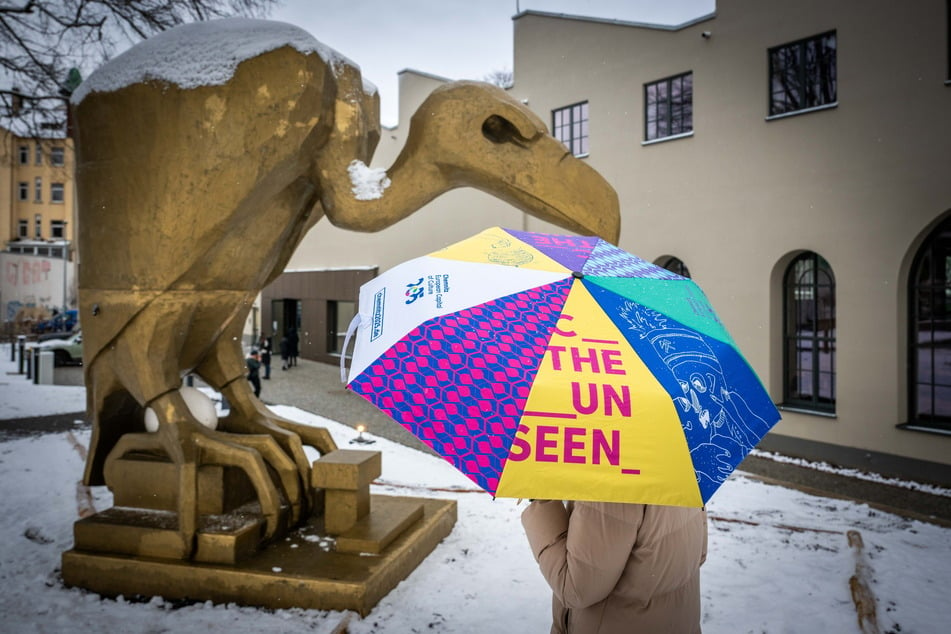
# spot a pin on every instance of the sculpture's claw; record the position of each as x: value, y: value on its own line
x: 250, y: 416
x: 224, y: 449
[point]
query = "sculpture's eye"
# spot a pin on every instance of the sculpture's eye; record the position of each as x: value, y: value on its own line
x: 500, y: 130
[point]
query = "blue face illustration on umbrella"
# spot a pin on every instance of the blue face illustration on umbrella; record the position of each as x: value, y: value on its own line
x: 720, y: 427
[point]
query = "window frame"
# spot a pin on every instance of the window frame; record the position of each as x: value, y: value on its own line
x: 583, y: 140
x: 801, y: 46
x: 926, y: 255
x: 39, y: 154
x: 38, y: 226
x: 58, y: 229
x: 668, y: 83
x: 38, y: 189
x: 58, y: 156
x: 57, y: 193
x: 24, y: 152
x: 23, y: 229
x: 794, y: 367
x: 23, y: 191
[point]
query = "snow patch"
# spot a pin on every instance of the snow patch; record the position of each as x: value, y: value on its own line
x: 202, y: 54
x: 368, y: 182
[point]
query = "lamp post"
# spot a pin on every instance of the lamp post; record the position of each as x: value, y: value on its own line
x: 65, y: 266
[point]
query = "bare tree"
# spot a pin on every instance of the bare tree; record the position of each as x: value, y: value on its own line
x: 46, y: 45
x: 502, y: 78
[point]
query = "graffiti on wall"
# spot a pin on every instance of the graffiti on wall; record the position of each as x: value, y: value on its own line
x: 34, y: 281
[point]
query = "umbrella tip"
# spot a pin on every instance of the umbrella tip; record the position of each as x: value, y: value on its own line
x: 577, y: 275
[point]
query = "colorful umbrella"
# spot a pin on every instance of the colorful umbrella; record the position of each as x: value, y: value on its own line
x: 559, y: 367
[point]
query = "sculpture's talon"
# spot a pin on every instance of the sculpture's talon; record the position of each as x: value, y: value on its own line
x: 216, y: 451
x: 273, y: 455
x: 250, y: 416
x: 317, y: 437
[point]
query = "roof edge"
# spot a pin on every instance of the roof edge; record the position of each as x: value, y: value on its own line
x: 423, y: 73
x: 640, y: 25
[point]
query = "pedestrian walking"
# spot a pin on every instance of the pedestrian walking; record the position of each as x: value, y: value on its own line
x: 254, y: 365
x: 293, y: 343
x: 265, y: 347
x: 285, y: 347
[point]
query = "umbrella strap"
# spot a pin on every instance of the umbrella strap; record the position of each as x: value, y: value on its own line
x: 351, y: 329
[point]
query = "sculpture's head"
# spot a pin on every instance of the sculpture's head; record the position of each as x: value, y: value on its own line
x: 478, y: 136
x: 465, y: 134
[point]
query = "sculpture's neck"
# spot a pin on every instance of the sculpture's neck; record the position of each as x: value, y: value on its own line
x: 412, y: 184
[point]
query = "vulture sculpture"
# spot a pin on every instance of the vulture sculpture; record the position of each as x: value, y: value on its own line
x: 204, y: 155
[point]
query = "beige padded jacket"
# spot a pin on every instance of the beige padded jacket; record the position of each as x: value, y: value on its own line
x: 619, y: 567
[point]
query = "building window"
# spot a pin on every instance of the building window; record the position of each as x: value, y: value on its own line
x: 668, y: 107
x: 339, y: 316
x: 24, y: 153
x: 57, y: 229
x: 57, y: 156
x: 38, y: 190
x: 809, y: 334
x: 23, y: 229
x: 570, y: 126
x: 38, y: 227
x: 39, y: 154
x: 56, y: 192
x: 802, y: 75
x: 674, y: 265
x: 929, y: 334
x: 23, y: 191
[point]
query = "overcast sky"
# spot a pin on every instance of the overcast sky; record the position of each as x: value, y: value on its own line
x: 457, y: 39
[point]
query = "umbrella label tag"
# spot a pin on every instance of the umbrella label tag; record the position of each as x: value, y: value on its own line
x: 376, y: 323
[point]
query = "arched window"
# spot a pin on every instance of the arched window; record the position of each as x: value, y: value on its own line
x: 674, y: 265
x: 809, y: 334
x: 929, y: 334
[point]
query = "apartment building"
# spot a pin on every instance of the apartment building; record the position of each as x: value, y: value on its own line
x: 792, y: 158
x: 37, y: 221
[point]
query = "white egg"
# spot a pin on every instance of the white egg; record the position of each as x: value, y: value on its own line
x: 199, y: 404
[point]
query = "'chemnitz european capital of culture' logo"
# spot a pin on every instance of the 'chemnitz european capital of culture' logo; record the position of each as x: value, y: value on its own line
x: 414, y: 291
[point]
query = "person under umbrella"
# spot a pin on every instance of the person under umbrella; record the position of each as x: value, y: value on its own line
x: 619, y: 567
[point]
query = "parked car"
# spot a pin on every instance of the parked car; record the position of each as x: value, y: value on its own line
x: 62, y: 322
x: 67, y: 351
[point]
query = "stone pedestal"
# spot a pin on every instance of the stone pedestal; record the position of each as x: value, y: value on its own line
x: 347, y: 558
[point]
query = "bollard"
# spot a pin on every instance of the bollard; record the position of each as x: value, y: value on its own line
x: 34, y: 366
x: 29, y: 364
x: 21, y: 344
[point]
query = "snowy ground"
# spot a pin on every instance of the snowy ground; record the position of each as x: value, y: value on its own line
x: 779, y: 560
